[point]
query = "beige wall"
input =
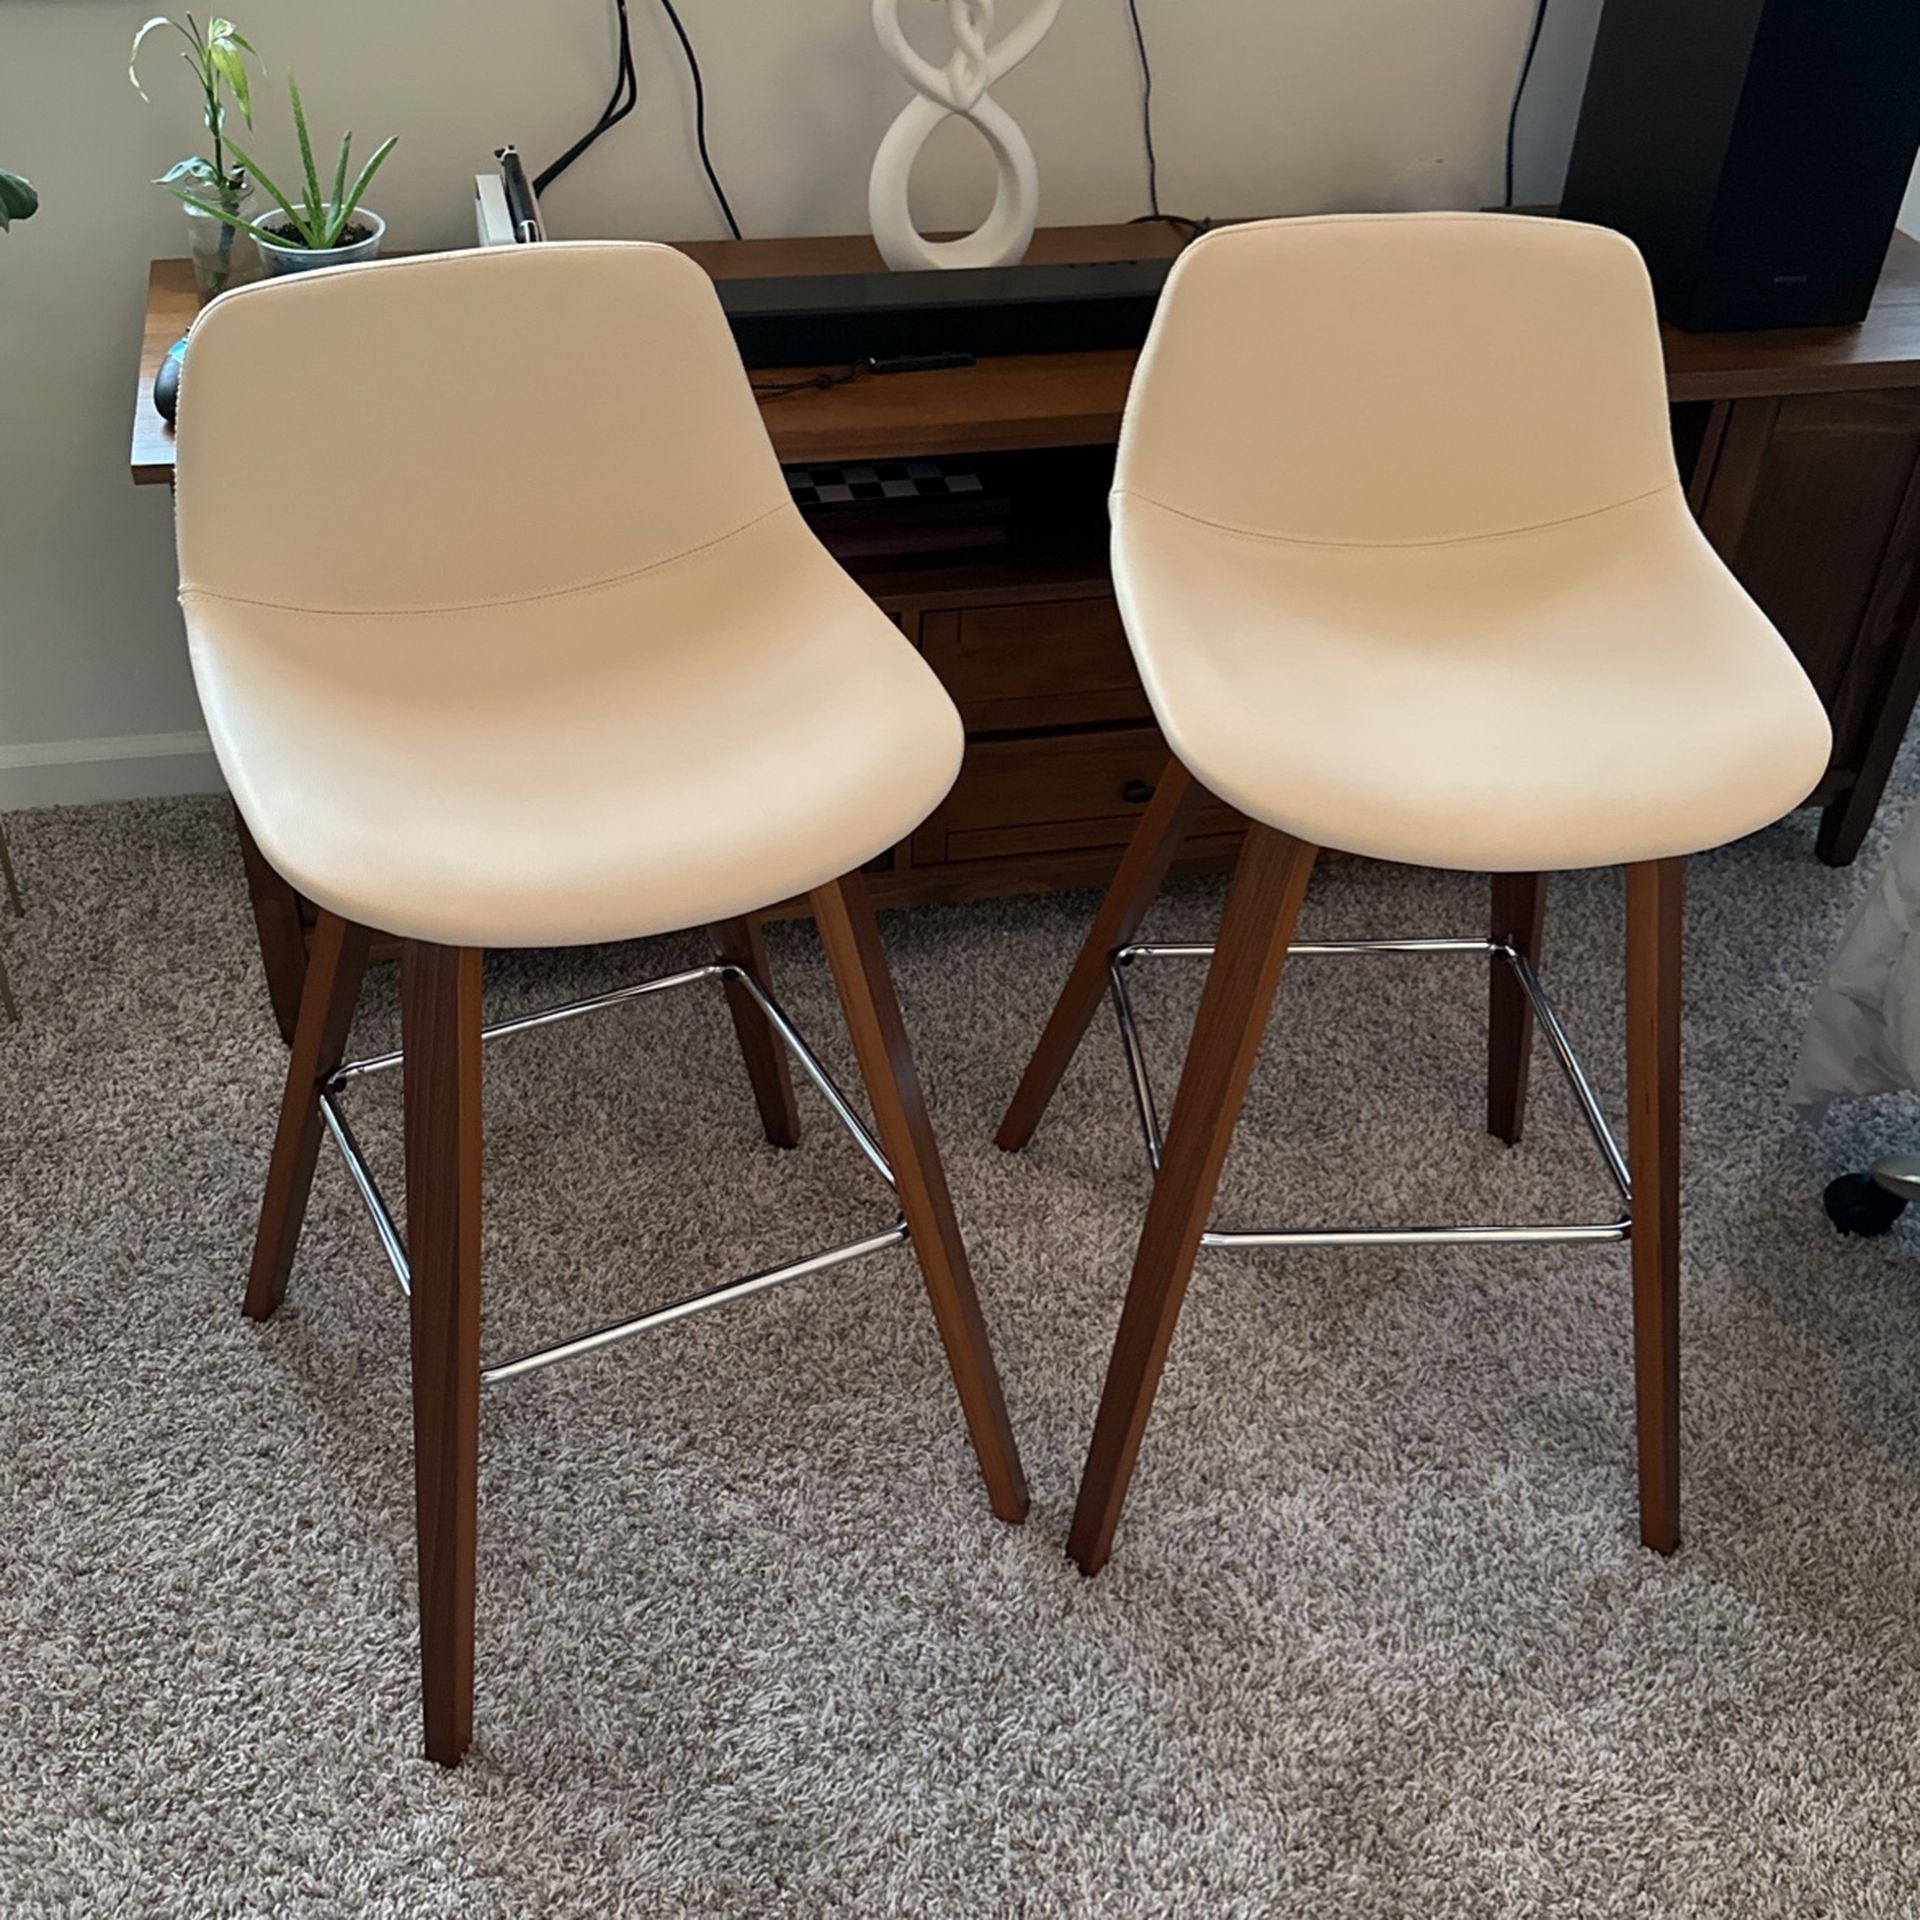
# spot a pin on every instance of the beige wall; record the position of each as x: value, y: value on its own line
x: 1263, y: 107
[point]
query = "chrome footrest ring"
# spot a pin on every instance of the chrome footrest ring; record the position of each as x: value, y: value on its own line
x: 724, y: 1293
x: 1547, y: 1233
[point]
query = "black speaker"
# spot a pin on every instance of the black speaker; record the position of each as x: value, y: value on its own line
x: 1756, y: 150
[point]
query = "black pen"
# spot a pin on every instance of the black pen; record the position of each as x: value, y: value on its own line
x: 522, y: 208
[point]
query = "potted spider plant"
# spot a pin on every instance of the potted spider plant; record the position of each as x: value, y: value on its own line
x: 324, y: 228
x: 217, y: 56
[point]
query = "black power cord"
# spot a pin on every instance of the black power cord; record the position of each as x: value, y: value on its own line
x: 815, y: 383
x: 700, y: 118
x: 1146, y: 109
x: 1185, y: 223
x: 1520, y: 89
x: 626, y: 94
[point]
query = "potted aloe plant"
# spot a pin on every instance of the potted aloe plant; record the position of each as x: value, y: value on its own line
x: 323, y: 228
x: 217, y: 57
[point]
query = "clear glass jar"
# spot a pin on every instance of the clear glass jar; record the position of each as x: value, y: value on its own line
x: 223, y: 256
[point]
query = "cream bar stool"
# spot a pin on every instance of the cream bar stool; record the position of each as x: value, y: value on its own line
x: 508, y: 635
x: 1407, y: 570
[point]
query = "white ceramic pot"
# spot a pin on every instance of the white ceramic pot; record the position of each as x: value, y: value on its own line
x: 278, y: 259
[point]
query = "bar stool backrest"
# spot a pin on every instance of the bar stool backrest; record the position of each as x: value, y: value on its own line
x: 463, y: 430
x: 1400, y: 379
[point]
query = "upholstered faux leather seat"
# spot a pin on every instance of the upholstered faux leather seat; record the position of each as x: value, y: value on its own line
x: 1441, y: 600
x: 568, y: 666
x: 724, y: 731
x: 1579, y: 695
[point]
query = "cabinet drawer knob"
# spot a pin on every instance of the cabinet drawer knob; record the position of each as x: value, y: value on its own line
x: 1136, y: 793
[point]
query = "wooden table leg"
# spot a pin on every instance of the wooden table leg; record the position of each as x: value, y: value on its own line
x: 1654, y: 899
x: 1519, y: 917
x: 739, y: 943
x: 1268, y: 886
x: 1846, y: 822
x: 282, y: 935
x: 440, y: 1032
x: 1135, y: 884
x: 859, y: 963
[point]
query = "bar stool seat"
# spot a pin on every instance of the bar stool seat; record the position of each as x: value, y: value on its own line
x: 1584, y: 694
x: 719, y: 732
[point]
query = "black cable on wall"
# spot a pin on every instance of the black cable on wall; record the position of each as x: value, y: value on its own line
x: 700, y: 118
x: 1146, y: 109
x: 1520, y: 90
x: 626, y: 94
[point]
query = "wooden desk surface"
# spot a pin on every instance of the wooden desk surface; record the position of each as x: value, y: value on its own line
x: 1075, y: 399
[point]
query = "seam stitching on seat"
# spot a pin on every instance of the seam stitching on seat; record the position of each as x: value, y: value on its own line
x: 1375, y: 546
x: 501, y: 600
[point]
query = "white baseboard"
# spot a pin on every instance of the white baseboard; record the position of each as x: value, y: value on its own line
x: 128, y: 766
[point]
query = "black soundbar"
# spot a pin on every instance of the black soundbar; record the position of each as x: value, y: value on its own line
x: 808, y: 320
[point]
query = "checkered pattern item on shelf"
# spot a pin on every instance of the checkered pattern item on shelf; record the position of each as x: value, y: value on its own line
x: 835, y: 486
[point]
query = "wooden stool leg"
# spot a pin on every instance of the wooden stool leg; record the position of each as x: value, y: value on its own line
x: 440, y: 1032
x: 1519, y: 916
x: 1136, y: 882
x: 859, y: 963
x: 738, y: 943
x: 1654, y: 897
x: 277, y: 927
x: 1268, y: 886
x: 332, y: 992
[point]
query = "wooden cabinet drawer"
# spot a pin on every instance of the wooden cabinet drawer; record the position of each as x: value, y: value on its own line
x: 1065, y: 793
x: 1047, y: 663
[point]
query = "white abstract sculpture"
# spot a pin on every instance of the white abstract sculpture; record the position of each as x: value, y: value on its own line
x: 961, y: 88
